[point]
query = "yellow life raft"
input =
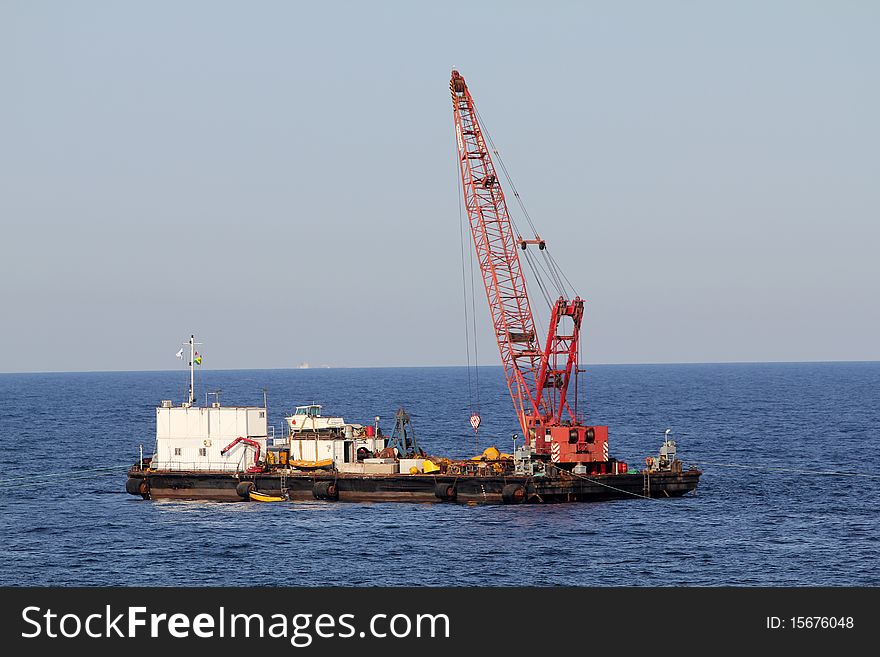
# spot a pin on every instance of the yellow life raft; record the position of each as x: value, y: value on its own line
x: 310, y: 465
x: 257, y: 496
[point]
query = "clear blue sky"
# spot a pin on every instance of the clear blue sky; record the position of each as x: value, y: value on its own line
x: 279, y: 178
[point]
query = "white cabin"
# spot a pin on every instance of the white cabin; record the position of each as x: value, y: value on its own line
x: 192, y: 438
x: 309, y: 419
x: 340, y: 449
x: 314, y: 437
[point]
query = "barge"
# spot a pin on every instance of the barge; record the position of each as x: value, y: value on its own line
x: 231, y: 454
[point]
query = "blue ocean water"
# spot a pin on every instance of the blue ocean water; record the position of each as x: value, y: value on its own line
x: 773, y: 522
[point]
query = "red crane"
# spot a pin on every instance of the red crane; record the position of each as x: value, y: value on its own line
x: 247, y: 441
x: 538, y: 379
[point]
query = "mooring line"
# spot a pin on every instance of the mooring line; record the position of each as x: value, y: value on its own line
x: 793, y: 470
x: 96, y: 472
x: 608, y: 486
x: 88, y: 476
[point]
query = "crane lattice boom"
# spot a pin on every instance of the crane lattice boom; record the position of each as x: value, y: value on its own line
x: 498, y: 258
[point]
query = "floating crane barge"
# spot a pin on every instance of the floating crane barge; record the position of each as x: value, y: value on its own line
x: 555, y: 486
x: 403, y: 474
x: 371, y: 467
x: 205, y: 453
x: 364, y: 465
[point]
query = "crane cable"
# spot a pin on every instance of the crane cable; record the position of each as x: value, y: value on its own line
x: 553, y: 270
x: 473, y: 385
x: 554, y: 266
x: 579, y: 383
x: 529, y: 260
x: 513, y: 188
x: 544, y: 292
x: 556, y: 273
x: 595, y: 481
x: 536, y: 273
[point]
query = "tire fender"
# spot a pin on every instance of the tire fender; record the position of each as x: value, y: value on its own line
x: 244, y: 488
x: 445, y: 491
x: 326, y: 490
x: 513, y: 494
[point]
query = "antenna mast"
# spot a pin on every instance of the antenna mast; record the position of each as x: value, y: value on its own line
x: 191, y: 398
x: 192, y: 371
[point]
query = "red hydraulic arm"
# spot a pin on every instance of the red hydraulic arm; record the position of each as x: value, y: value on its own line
x: 247, y: 441
x: 538, y: 379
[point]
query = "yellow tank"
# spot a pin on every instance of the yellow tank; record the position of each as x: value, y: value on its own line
x: 489, y: 454
x: 414, y: 470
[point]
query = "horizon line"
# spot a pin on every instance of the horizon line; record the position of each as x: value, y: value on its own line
x: 394, y: 367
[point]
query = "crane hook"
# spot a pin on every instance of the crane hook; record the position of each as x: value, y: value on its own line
x: 475, y: 421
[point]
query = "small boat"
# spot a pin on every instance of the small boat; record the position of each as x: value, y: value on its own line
x: 257, y: 496
x: 307, y: 420
x: 311, y: 465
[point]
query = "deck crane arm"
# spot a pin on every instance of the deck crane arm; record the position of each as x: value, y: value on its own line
x: 537, y: 378
x: 252, y: 443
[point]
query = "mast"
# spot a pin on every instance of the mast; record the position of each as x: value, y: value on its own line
x: 192, y: 370
x: 192, y: 366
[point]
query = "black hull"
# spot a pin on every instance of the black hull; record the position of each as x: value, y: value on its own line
x: 346, y: 487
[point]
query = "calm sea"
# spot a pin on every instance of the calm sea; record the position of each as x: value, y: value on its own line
x: 773, y: 521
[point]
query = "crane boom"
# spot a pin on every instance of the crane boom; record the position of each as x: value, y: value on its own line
x: 538, y: 379
x: 498, y: 257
